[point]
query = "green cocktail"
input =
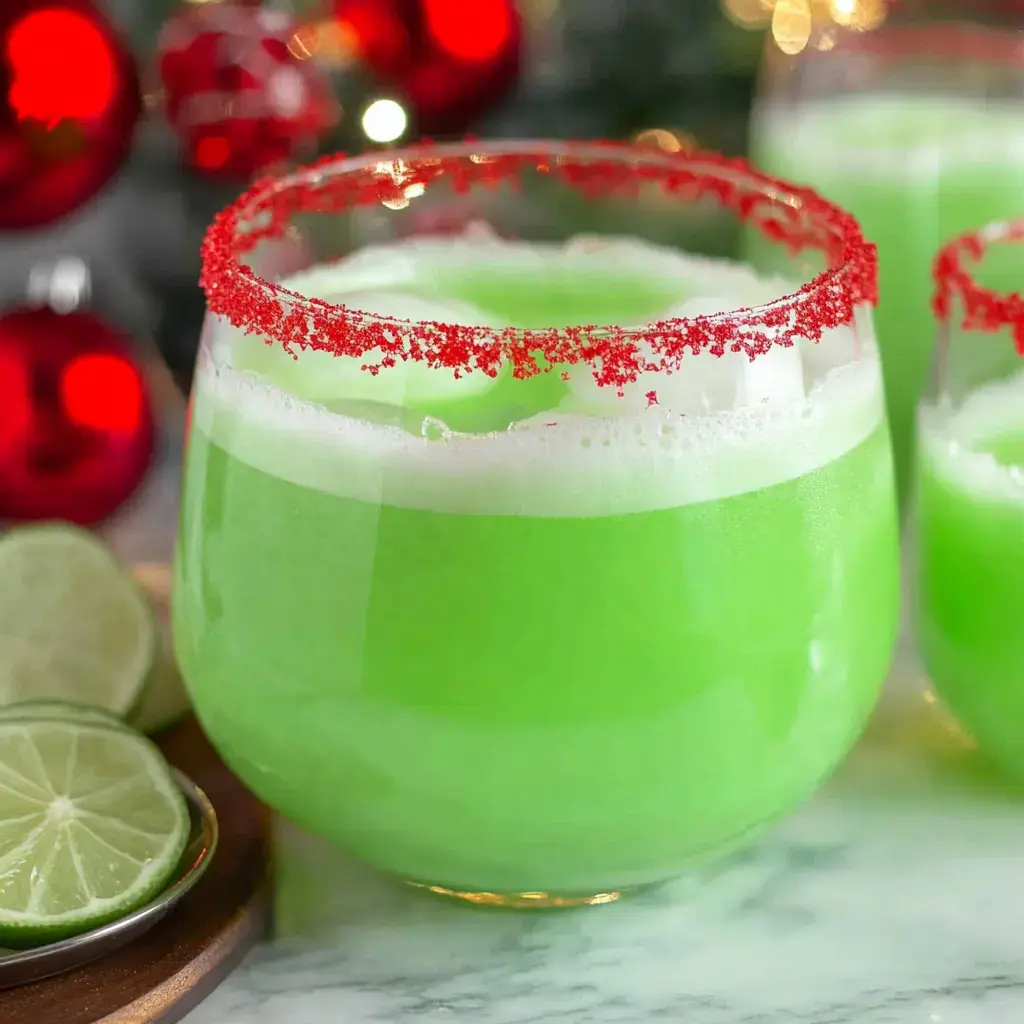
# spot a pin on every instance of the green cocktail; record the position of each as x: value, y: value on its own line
x: 574, y: 644
x: 970, y: 551
x: 915, y: 170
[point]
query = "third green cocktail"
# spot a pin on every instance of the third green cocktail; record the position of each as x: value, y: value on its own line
x: 970, y: 562
x: 915, y: 170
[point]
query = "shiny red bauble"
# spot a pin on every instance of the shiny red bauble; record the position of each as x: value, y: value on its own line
x: 76, y: 424
x: 235, y: 91
x: 69, y: 104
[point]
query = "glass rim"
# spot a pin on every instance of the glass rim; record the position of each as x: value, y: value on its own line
x: 983, y: 309
x: 790, y: 215
x: 950, y: 40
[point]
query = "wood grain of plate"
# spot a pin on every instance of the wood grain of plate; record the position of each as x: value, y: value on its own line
x: 165, y: 974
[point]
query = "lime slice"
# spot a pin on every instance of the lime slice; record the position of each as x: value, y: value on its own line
x: 58, y: 711
x: 73, y: 625
x: 92, y: 826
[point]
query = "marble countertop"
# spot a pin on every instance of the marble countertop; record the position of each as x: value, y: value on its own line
x: 893, y: 897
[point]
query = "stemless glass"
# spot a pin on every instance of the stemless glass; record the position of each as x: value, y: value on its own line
x: 545, y: 658
x: 916, y: 128
x: 970, y: 494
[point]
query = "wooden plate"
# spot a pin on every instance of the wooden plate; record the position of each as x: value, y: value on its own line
x: 166, y: 973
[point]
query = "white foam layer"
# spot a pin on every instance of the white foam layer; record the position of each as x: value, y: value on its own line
x: 797, y: 413
x: 556, y: 465
x: 950, y: 440
x: 889, y: 136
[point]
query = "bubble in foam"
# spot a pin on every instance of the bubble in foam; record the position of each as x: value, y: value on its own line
x: 434, y: 429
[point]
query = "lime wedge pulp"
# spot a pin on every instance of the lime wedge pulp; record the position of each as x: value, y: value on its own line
x: 73, y: 625
x: 92, y: 826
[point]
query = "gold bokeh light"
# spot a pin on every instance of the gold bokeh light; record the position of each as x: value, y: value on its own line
x: 332, y: 41
x: 791, y: 25
x: 860, y: 15
x: 669, y: 140
x: 793, y: 22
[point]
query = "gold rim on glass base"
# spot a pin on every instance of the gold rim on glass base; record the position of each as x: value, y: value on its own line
x: 520, y: 900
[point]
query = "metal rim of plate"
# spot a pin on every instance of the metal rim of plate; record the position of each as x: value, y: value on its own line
x: 22, y: 967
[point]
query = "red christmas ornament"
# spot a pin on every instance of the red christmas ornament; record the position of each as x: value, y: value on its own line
x: 69, y: 103
x: 451, y: 60
x: 236, y: 93
x: 76, y: 424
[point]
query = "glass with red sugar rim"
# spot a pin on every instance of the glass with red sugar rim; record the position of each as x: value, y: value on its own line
x: 915, y: 127
x: 478, y: 623
x: 982, y: 308
x: 969, y: 536
x: 788, y: 215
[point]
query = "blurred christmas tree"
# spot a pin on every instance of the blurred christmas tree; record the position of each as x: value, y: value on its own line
x: 603, y: 68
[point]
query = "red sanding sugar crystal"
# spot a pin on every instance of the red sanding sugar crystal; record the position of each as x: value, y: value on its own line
x: 794, y: 217
x: 982, y: 309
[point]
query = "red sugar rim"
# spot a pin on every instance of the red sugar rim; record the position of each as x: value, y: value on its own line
x: 795, y: 217
x: 983, y: 308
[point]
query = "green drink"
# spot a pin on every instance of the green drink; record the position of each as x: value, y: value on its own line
x: 915, y: 170
x: 503, y: 663
x: 970, y: 549
x: 522, y: 638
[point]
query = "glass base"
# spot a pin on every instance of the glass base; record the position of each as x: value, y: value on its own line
x: 520, y: 900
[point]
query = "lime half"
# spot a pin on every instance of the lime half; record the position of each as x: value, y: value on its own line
x: 164, y: 699
x: 59, y: 710
x: 73, y: 625
x: 92, y: 826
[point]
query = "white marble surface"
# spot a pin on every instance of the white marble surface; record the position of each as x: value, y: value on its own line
x: 894, y: 897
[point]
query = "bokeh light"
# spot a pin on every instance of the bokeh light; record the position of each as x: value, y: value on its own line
x: 385, y: 120
x: 793, y: 22
x: 669, y: 140
x: 791, y: 25
x: 61, y: 67
x: 860, y: 15
x: 102, y: 392
x: 474, y: 32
